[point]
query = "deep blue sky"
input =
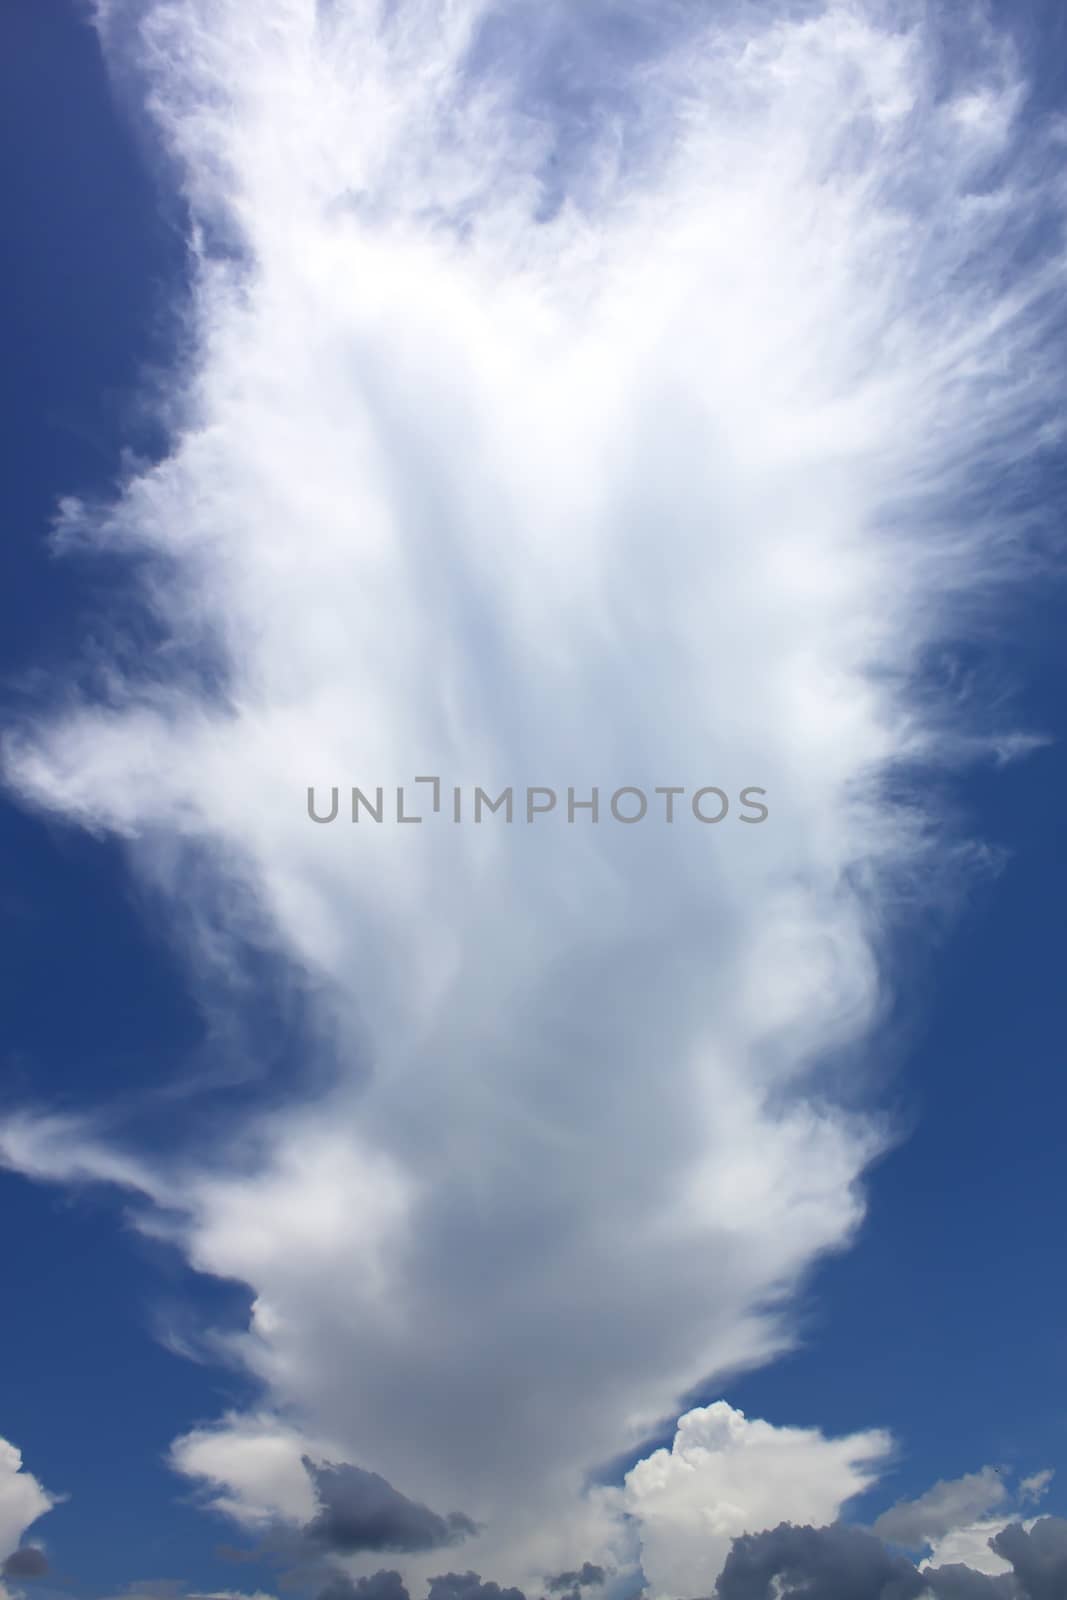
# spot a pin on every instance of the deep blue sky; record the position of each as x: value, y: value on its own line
x: 948, y: 1322
x: 91, y: 261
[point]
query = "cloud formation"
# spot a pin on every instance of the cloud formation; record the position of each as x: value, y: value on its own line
x: 469, y: 1586
x: 588, y: 1576
x: 671, y: 441
x: 942, y: 1509
x: 835, y: 1563
x: 359, y: 1511
x: 381, y: 1585
x: 28, y: 1561
x: 841, y: 1563
x: 1037, y: 1555
x: 726, y: 1475
x: 23, y: 1499
x: 957, y: 1521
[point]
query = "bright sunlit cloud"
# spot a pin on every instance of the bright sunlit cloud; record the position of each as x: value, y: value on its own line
x: 668, y: 443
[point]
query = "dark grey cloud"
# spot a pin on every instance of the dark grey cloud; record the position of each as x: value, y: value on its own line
x: 1039, y: 1557
x: 384, y: 1585
x: 839, y: 1563
x: 469, y: 1586
x: 360, y: 1510
x: 26, y: 1562
x: 835, y: 1563
x: 587, y: 1576
x: 958, y: 1582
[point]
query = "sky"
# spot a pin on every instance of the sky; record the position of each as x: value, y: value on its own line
x: 549, y: 398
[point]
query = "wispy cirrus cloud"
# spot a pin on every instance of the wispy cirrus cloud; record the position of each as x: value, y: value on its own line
x: 572, y: 398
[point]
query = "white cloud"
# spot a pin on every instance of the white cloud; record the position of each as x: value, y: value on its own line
x: 233, y: 1594
x: 675, y: 486
x: 969, y: 1545
x: 949, y: 1505
x: 252, y: 1466
x: 22, y: 1500
x: 952, y: 1521
x: 1036, y: 1486
x: 725, y: 1475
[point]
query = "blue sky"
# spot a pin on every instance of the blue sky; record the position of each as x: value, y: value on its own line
x: 942, y: 1320
x: 90, y: 263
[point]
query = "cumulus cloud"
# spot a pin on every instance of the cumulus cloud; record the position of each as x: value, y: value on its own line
x: 588, y: 1576
x: 957, y: 1521
x: 841, y: 1563
x: 726, y: 1475
x: 22, y: 1500
x: 835, y: 1563
x: 1037, y: 1555
x: 575, y: 396
x: 469, y: 1586
x: 382, y: 1585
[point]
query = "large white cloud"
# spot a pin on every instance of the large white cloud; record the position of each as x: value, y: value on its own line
x: 725, y: 1475
x: 574, y: 397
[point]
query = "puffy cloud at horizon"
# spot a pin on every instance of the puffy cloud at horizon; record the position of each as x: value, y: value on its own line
x: 809, y: 1562
x: 668, y: 443
x: 725, y: 1475
x: 386, y: 1584
x: 842, y: 1563
x: 23, y: 1499
x: 957, y: 1521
